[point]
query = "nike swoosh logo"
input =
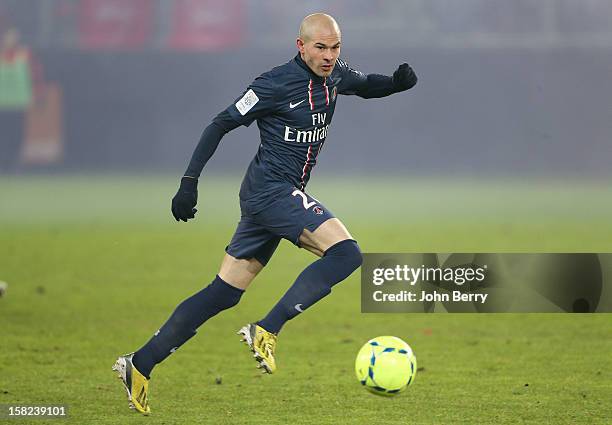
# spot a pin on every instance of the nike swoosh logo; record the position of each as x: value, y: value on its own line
x: 298, y: 307
x: 293, y: 105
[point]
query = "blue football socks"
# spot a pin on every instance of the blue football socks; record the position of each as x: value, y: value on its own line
x: 314, y: 283
x: 184, y: 322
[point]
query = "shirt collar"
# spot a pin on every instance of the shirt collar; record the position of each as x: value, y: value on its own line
x: 298, y: 59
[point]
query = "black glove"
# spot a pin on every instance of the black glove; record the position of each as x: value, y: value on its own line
x: 185, y: 200
x: 404, y: 78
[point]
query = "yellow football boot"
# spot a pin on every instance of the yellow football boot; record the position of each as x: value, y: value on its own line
x: 135, y: 383
x: 262, y: 343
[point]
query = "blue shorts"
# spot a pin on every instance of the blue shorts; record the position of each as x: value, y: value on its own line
x: 285, y: 217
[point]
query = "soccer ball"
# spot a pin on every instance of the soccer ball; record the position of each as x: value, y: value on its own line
x: 386, y: 365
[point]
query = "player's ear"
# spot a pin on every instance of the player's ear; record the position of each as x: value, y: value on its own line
x: 300, y: 45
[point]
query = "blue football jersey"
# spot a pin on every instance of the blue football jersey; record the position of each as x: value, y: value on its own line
x: 293, y: 108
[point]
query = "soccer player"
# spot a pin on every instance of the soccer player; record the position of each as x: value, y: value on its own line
x: 293, y: 105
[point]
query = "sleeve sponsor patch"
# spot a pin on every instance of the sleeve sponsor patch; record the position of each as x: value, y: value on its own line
x: 247, y: 101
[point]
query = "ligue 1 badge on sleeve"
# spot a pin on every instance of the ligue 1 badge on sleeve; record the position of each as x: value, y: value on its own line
x: 247, y: 101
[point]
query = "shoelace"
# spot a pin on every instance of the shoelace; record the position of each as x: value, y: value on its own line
x: 269, y: 343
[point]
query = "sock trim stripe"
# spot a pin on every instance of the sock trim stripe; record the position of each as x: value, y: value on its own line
x: 337, y: 244
x: 229, y: 285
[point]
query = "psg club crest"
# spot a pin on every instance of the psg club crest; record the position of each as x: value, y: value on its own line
x: 317, y: 210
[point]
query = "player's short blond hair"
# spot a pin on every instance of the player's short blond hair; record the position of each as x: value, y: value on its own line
x: 316, y: 21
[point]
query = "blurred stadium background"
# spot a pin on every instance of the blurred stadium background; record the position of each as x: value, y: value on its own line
x: 504, y: 145
x: 513, y: 88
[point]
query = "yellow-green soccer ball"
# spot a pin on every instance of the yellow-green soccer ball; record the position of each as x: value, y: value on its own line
x: 386, y: 365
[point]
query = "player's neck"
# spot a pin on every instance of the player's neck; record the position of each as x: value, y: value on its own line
x: 302, y: 63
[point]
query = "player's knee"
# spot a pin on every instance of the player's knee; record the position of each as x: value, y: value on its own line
x: 356, y: 258
x: 350, y: 253
x: 198, y: 308
x: 228, y: 302
x: 223, y: 295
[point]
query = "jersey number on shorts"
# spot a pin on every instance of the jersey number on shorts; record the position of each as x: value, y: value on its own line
x: 305, y: 202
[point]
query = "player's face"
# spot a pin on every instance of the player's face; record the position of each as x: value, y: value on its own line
x: 320, y: 53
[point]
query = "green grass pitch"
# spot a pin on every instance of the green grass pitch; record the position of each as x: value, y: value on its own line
x: 95, y: 264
